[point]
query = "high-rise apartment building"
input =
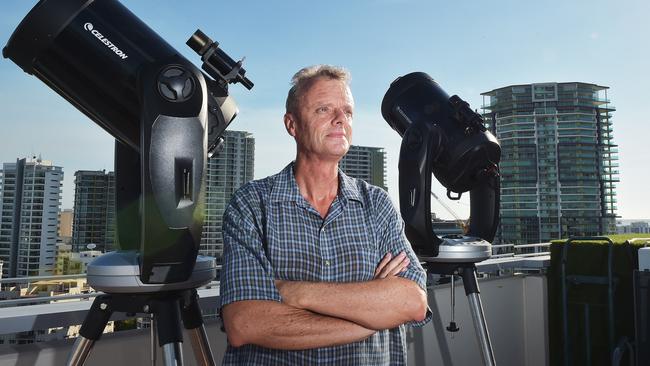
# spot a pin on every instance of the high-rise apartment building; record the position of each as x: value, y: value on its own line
x: 367, y: 163
x: 30, y: 194
x: 94, y: 210
x: 226, y: 172
x: 558, y: 162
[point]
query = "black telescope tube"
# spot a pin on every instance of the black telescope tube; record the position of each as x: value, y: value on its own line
x: 465, y: 147
x: 90, y: 52
x: 412, y: 97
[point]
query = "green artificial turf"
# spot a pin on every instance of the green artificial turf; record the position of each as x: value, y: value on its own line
x: 590, y: 258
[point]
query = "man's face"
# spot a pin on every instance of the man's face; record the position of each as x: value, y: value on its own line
x: 322, y: 121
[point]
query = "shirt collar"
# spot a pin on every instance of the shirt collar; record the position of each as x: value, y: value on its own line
x: 348, y: 188
x: 285, y: 187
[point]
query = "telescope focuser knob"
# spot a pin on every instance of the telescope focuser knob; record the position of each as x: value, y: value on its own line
x: 176, y: 84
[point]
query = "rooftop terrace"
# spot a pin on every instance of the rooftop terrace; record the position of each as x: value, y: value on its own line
x: 513, y: 290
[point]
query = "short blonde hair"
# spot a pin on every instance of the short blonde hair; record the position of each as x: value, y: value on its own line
x: 304, y: 79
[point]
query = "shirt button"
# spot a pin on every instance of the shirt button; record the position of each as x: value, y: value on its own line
x: 322, y: 229
x: 327, y: 263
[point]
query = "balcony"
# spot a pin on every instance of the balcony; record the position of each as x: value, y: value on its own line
x: 513, y: 292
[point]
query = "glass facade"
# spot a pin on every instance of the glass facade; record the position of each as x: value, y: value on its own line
x: 558, y: 163
x: 227, y: 170
x: 94, y: 211
x: 367, y: 163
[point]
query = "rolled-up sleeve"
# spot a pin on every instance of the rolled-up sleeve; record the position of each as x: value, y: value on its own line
x: 246, y: 273
x: 394, y: 241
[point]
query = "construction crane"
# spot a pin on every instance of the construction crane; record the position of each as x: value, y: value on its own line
x: 462, y: 224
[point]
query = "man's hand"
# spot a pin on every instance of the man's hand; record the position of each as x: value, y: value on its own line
x: 290, y: 292
x: 391, y: 266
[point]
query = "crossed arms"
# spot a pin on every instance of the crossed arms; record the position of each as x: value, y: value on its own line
x: 321, y: 314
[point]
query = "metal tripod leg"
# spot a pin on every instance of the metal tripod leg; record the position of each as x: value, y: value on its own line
x: 80, y: 351
x: 193, y: 322
x: 201, y: 346
x: 91, y: 329
x: 172, y: 354
x: 168, y: 323
x: 476, y: 308
x: 154, y: 339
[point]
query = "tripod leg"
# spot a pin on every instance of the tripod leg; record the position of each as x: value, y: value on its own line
x: 173, y: 354
x: 154, y: 340
x: 476, y: 308
x: 80, y: 351
x: 193, y: 322
x: 168, y: 321
x: 201, y: 347
x: 91, y: 329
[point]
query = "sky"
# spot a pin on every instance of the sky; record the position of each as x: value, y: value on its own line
x: 469, y: 47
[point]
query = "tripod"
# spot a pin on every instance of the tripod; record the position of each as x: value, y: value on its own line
x: 168, y: 304
x: 459, y: 255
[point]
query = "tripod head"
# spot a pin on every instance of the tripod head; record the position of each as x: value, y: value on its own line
x: 166, y: 115
x: 442, y: 136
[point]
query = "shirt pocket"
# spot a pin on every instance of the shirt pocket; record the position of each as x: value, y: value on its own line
x: 357, y: 251
x: 293, y: 245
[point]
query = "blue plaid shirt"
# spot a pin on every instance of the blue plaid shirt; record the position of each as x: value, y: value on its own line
x: 271, y: 232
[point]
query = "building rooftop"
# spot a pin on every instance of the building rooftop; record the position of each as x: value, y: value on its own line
x: 598, y: 87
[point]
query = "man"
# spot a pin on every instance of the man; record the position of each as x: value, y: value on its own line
x: 317, y: 270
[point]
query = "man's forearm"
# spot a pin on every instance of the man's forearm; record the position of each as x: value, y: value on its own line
x: 377, y: 304
x: 276, y: 325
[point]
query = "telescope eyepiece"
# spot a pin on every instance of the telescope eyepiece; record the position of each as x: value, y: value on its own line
x: 200, y: 42
x: 216, y: 62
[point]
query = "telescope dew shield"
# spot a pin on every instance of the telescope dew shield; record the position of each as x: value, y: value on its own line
x: 90, y: 52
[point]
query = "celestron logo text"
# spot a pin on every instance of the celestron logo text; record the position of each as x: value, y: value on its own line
x: 89, y: 27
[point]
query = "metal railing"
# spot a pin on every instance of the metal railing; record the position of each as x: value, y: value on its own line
x: 35, y: 300
x: 517, y: 250
x: 55, y: 298
x: 41, y: 278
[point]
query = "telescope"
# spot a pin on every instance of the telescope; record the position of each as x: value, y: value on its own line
x: 443, y: 137
x: 167, y: 117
